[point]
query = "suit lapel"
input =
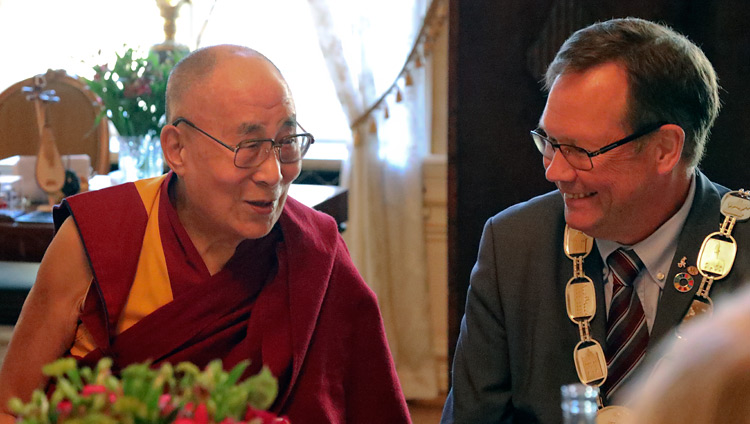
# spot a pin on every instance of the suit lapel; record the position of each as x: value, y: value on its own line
x: 593, y: 267
x: 704, y: 218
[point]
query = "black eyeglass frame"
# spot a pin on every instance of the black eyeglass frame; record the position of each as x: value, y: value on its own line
x: 276, y: 145
x: 556, y: 146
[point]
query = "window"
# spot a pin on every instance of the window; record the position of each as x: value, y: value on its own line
x: 68, y: 35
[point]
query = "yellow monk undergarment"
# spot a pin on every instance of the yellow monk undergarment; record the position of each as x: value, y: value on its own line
x: 151, y: 287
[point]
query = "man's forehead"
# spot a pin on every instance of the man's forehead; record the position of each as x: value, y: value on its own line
x: 247, y: 73
x: 241, y: 82
x: 594, y: 96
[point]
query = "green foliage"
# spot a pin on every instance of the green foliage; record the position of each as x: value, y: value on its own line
x: 133, y: 90
x: 144, y: 395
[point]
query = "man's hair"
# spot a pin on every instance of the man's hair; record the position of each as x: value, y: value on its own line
x: 196, y: 68
x: 669, y: 77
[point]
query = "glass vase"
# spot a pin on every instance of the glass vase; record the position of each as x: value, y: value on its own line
x: 140, y: 157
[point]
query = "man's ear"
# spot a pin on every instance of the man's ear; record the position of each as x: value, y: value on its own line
x: 173, y: 147
x: 668, y: 143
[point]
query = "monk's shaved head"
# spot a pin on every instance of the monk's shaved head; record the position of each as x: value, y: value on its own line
x: 197, y: 68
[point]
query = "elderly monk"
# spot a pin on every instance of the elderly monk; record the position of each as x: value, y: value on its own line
x: 213, y: 260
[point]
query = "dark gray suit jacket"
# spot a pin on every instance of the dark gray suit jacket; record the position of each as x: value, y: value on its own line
x: 516, y: 344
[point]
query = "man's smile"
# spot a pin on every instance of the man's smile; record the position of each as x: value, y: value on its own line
x: 574, y: 196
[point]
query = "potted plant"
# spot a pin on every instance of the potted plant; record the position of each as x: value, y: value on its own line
x: 182, y: 394
x: 132, y: 91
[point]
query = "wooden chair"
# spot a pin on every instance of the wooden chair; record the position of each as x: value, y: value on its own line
x: 73, y: 121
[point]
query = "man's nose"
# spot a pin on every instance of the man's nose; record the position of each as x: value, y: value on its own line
x: 558, y: 168
x: 269, y: 171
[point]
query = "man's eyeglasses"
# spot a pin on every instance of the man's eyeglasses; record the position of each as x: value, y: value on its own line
x: 251, y: 153
x: 578, y: 157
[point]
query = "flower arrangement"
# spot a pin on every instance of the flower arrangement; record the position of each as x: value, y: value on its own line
x: 182, y: 394
x: 133, y: 90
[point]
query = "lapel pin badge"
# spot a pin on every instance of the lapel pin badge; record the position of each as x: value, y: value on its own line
x: 683, y: 282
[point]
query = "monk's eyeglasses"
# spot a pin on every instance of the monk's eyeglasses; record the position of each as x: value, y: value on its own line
x: 251, y: 153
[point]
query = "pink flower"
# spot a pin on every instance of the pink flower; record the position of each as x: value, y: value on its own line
x: 139, y: 87
x: 164, y: 400
x: 264, y: 417
x: 165, y: 404
x: 91, y: 389
x: 201, y: 414
x: 65, y: 407
x: 100, y: 71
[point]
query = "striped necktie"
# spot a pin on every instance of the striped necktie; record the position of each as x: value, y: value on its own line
x: 627, y: 332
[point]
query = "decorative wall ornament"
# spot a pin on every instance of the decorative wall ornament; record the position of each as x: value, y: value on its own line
x: 49, y: 172
x: 169, y: 12
x: 434, y: 21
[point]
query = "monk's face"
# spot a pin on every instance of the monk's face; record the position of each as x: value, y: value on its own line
x: 245, y: 98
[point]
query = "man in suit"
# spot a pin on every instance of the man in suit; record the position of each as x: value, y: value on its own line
x: 629, y: 110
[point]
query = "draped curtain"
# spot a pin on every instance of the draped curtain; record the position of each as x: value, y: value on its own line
x: 366, y: 46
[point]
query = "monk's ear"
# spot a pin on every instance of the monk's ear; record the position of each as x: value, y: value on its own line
x: 173, y: 146
x: 667, y: 146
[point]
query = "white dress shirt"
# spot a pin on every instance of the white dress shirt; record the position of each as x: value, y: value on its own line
x: 656, y: 252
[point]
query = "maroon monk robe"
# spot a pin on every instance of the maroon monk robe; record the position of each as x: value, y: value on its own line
x: 315, y: 322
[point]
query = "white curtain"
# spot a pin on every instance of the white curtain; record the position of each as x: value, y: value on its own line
x: 366, y: 45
